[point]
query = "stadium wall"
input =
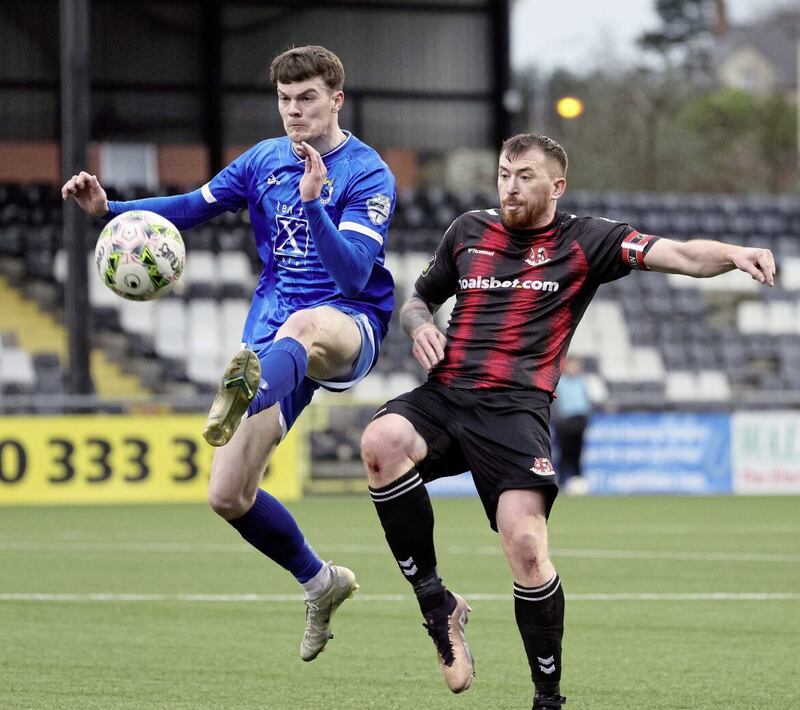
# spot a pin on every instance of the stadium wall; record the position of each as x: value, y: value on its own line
x: 168, y: 72
x: 161, y: 458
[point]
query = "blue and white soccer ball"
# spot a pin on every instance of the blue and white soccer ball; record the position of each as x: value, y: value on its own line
x: 140, y: 255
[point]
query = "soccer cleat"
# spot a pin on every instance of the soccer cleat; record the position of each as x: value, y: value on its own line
x: 548, y: 702
x: 320, y: 610
x: 445, y: 625
x: 237, y: 388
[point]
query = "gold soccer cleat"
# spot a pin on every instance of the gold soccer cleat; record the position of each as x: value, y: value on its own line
x: 237, y: 388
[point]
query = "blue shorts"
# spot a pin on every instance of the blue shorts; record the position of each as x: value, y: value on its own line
x: 297, y: 400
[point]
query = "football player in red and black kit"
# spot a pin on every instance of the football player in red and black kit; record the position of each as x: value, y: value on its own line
x: 523, y: 276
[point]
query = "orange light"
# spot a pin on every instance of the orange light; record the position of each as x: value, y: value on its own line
x: 569, y: 107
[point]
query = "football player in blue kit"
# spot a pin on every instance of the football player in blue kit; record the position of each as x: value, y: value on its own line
x: 320, y: 202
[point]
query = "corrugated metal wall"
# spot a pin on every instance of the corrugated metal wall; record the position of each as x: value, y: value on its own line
x: 416, y: 77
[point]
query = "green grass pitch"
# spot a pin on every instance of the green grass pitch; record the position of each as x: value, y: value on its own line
x: 671, y: 603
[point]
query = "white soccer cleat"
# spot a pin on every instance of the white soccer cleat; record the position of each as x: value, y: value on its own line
x: 320, y: 610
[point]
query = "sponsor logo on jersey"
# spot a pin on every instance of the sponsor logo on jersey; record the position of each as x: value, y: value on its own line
x: 272, y: 180
x: 482, y: 282
x: 542, y: 467
x: 291, y: 242
x: 378, y: 208
x: 537, y: 256
x: 485, y: 252
x: 327, y: 191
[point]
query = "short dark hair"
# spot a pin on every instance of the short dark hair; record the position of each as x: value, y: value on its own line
x: 303, y: 63
x: 523, y: 142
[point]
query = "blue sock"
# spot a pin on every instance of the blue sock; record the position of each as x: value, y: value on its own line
x: 270, y: 528
x: 283, y: 367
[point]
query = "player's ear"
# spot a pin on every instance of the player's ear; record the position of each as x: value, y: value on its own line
x: 338, y: 100
x: 559, y: 188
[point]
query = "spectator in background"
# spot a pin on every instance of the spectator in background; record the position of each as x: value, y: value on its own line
x: 572, y: 409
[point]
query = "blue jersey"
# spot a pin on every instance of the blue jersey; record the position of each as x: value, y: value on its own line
x: 359, y: 197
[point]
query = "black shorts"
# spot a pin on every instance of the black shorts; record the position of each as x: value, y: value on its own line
x: 502, y: 436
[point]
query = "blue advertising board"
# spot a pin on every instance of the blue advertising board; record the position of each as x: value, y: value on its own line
x: 452, y: 486
x: 658, y: 453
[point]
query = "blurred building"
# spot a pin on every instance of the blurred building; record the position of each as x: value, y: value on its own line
x: 761, y: 57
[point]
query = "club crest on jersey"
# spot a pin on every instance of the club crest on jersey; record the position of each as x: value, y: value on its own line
x: 327, y: 191
x: 537, y: 256
x: 378, y: 208
x: 542, y: 467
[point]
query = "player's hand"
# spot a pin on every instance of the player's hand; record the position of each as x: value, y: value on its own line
x: 428, y: 345
x: 314, y: 177
x: 88, y: 193
x: 759, y: 263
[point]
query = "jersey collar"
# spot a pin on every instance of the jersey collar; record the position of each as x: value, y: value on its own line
x: 330, y: 153
x: 538, y: 232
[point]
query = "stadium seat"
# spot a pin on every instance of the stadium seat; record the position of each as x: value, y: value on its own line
x: 372, y: 389
x: 751, y: 317
x: 169, y: 337
x: 233, y: 267
x: 413, y: 264
x: 203, y: 327
x: 201, y: 268
x: 138, y: 317
x: 781, y: 317
x: 16, y: 369
x: 713, y: 386
x: 596, y: 389
x: 204, y: 367
x: 232, y: 316
x: 789, y: 273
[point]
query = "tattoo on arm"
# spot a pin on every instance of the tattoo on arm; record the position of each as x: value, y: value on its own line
x: 414, y: 313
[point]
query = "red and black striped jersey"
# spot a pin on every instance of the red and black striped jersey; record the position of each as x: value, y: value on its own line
x: 521, y: 293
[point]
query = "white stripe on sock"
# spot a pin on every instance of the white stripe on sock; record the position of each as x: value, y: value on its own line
x: 398, y: 490
x: 530, y: 598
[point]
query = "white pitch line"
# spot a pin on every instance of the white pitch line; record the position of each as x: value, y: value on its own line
x: 680, y: 556
x: 487, y: 550
x: 296, y: 598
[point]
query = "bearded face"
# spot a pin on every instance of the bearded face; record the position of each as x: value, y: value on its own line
x: 528, y: 188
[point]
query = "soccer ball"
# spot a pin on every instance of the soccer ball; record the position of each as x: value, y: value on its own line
x: 140, y: 255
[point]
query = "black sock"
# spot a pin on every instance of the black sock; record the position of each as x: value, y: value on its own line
x: 406, y: 515
x: 540, y: 617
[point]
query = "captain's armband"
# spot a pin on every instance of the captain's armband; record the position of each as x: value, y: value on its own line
x: 634, y: 247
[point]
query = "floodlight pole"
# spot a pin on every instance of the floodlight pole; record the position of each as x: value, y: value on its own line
x: 501, y: 49
x: 74, y: 21
x: 211, y: 43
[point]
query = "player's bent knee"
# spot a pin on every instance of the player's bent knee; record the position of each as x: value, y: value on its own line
x: 228, y: 504
x: 385, y: 450
x: 299, y: 325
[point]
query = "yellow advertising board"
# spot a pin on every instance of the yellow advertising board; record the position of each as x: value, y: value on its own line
x: 121, y: 459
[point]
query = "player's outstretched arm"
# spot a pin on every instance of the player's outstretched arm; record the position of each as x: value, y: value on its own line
x: 416, y: 317
x: 88, y: 193
x: 702, y: 258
